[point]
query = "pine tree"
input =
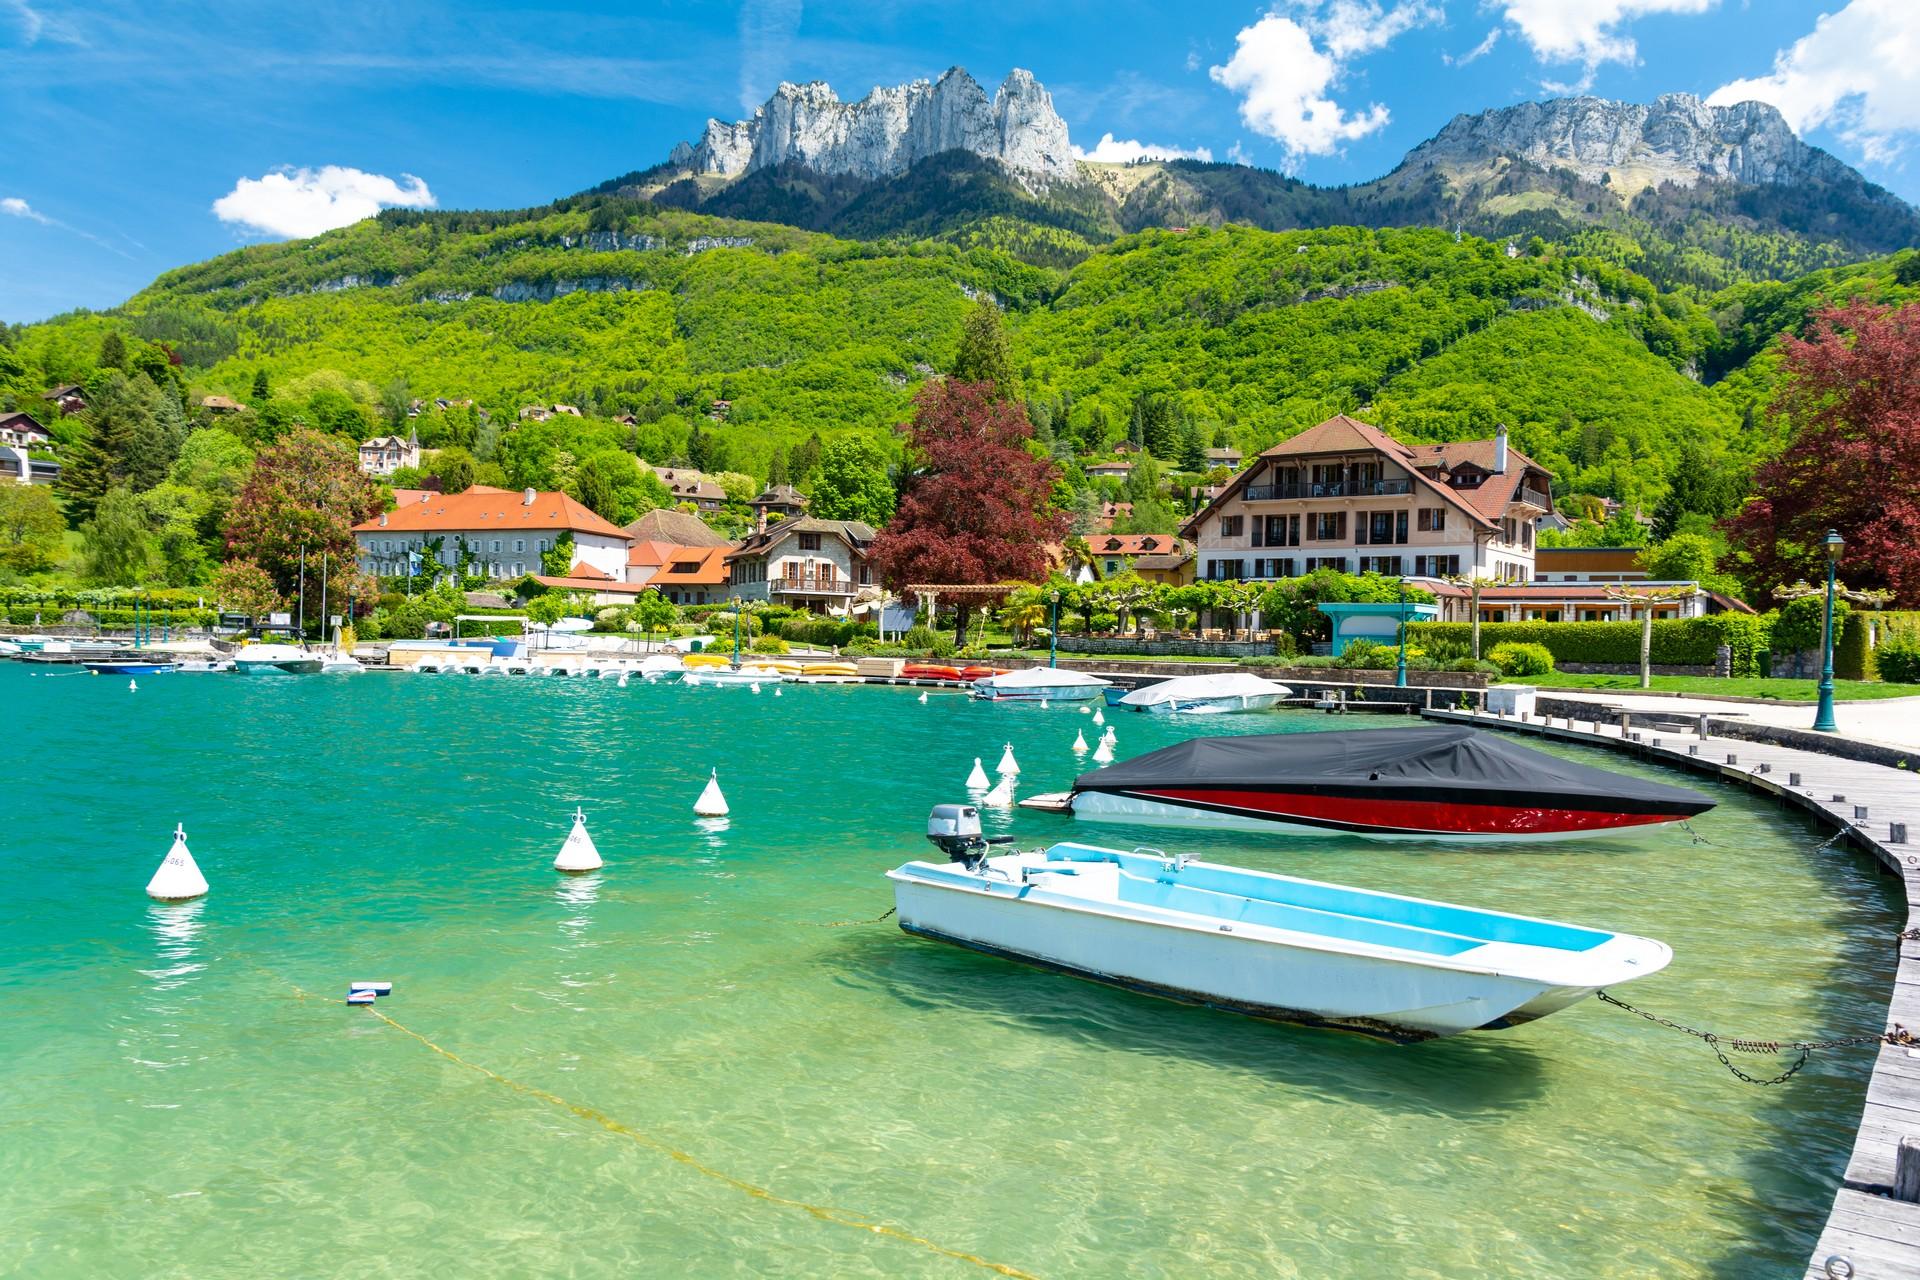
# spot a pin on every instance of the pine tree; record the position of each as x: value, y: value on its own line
x: 262, y: 390
x: 121, y: 411
x: 985, y: 355
x: 113, y: 350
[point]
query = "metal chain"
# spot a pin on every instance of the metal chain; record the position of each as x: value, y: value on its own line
x: 842, y: 924
x: 1898, y: 1035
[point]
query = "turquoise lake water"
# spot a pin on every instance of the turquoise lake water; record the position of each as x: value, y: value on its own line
x: 171, y: 1106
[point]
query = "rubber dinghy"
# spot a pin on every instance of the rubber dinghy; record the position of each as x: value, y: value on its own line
x: 1446, y: 782
x: 1271, y: 946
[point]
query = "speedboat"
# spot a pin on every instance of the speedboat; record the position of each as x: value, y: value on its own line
x: 1206, y: 695
x: 1271, y: 946
x: 1447, y: 782
x: 749, y: 674
x: 131, y: 668
x: 275, y: 659
x: 1041, y: 684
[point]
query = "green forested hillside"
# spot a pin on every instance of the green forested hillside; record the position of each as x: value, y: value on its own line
x: 1181, y: 340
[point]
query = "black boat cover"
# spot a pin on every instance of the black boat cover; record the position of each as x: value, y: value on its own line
x: 1452, y: 759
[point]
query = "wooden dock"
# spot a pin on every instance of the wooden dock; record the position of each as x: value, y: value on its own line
x: 1870, y: 1235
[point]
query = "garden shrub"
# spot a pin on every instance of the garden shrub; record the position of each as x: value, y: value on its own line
x: 1676, y: 641
x: 769, y: 644
x: 1802, y: 622
x: 1520, y: 659
x: 1365, y: 655
x: 1899, y: 659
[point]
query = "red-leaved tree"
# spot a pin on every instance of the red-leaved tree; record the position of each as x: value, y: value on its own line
x: 976, y: 506
x: 305, y: 491
x: 1852, y: 397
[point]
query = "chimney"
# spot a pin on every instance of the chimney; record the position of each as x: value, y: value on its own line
x: 763, y: 520
x: 383, y: 519
x: 526, y: 499
x: 1500, y: 449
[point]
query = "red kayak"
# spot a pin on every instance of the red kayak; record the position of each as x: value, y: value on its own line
x: 927, y: 671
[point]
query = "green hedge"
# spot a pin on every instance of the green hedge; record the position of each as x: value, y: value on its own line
x: 1676, y: 641
x: 22, y: 615
x: 1853, y: 658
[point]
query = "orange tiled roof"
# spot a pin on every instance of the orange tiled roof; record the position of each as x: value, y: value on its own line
x: 693, y: 567
x: 485, y: 509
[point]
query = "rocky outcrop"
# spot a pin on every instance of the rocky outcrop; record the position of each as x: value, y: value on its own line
x: 1630, y: 146
x: 548, y: 290
x: 890, y: 129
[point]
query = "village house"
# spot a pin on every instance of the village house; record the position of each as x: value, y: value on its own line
x: 1116, y: 553
x: 505, y: 533
x: 694, y: 575
x: 688, y: 485
x: 1108, y: 470
x: 1587, y: 564
x: 221, y: 404
x: 1344, y: 495
x: 1223, y: 457
x: 21, y: 430
x: 20, y: 436
x: 805, y: 562
x: 67, y: 399
x: 777, y: 502
x: 384, y: 455
x: 675, y: 528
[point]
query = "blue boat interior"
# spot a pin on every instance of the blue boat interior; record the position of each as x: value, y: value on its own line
x: 1357, y: 915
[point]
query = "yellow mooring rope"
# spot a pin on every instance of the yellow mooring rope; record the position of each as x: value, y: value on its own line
x: 838, y: 1217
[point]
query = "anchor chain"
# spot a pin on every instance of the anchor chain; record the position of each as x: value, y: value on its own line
x: 1896, y: 1035
x: 844, y: 924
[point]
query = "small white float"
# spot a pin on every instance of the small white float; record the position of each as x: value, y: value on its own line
x: 711, y: 804
x: 578, y: 853
x: 178, y: 878
x: 977, y: 780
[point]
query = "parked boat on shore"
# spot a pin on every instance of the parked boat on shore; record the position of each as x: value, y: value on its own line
x: 1271, y: 946
x: 1440, y: 782
x: 1204, y: 695
x: 1041, y: 684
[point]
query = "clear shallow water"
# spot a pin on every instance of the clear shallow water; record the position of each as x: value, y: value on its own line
x: 169, y: 1106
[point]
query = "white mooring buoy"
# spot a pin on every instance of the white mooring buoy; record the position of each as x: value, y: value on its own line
x: 1001, y: 797
x: 1079, y: 744
x: 923, y: 698
x: 711, y: 803
x: 622, y: 681
x: 977, y: 780
x: 133, y: 686
x: 179, y: 875
x: 777, y: 692
x: 1099, y: 717
x: 1103, y: 754
x: 578, y: 853
x: 754, y: 685
x: 1086, y: 711
x: 1007, y: 763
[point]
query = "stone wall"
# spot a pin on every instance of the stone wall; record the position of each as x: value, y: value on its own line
x: 1168, y: 648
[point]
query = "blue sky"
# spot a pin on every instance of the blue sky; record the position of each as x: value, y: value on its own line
x: 124, y: 125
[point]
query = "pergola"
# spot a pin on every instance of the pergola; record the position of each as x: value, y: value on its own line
x: 925, y: 594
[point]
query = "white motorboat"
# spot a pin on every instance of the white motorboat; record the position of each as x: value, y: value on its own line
x: 1041, y: 684
x: 276, y: 659
x: 746, y: 675
x: 1206, y: 695
x: 1271, y: 946
x: 662, y: 667
x: 340, y: 664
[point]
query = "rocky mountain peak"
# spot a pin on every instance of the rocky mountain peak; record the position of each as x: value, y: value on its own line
x: 1676, y: 138
x: 890, y: 129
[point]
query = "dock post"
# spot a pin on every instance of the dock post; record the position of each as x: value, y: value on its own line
x: 1733, y: 757
x: 1859, y: 813
x: 1906, y: 1170
x: 1793, y: 779
x: 1702, y: 729
x: 1896, y: 833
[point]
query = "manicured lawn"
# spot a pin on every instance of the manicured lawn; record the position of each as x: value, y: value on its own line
x: 1738, y: 687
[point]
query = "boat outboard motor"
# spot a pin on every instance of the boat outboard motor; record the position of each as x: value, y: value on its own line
x: 954, y: 829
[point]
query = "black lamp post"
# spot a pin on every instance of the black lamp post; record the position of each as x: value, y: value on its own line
x: 1400, y: 671
x: 1823, y: 721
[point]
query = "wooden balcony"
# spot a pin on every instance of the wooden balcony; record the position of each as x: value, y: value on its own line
x: 1340, y: 489
x: 811, y: 585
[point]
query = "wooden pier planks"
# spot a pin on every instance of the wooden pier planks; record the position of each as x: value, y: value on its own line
x: 1869, y: 1235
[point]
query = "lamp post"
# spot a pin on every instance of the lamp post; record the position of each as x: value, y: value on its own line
x: 1823, y: 721
x: 1400, y: 670
x: 1053, y: 628
x: 736, y: 632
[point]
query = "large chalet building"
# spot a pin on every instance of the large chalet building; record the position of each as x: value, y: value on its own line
x: 1345, y: 495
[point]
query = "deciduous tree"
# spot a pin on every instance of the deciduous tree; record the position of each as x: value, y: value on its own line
x: 1852, y: 395
x: 306, y: 491
x: 241, y: 586
x: 114, y: 541
x: 976, y: 507
x: 31, y: 528
x: 853, y: 483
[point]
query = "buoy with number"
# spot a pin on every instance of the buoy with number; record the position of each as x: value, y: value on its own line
x: 1079, y: 744
x: 1001, y: 797
x: 178, y: 878
x: 1103, y: 754
x: 1007, y: 763
x: 711, y: 803
x: 977, y: 780
x: 578, y: 853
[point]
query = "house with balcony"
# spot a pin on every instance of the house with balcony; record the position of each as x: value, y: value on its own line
x: 806, y: 562
x: 504, y: 533
x: 1345, y: 495
x: 384, y: 455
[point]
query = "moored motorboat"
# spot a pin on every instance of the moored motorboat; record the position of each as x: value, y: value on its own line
x: 274, y: 659
x: 1271, y: 946
x: 131, y: 668
x: 1206, y: 695
x: 662, y: 667
x: 1445, y: 782
x: 1041, y: 684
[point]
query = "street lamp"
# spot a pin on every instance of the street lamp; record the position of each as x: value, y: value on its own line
x: 1823, y: 721
x: 1053, y: 628
x: 1400, y: 671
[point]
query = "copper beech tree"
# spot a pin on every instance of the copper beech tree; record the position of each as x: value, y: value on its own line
x: 304, y: 492
x: 1852, y: 395
x: 976, y: 507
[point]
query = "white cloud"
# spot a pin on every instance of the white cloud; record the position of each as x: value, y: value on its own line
x: 1587, y: 31
x: 767, y: 31
x: 1852, y: 73
x: 1476, y: 53
x: 1286, y: 68
x: 1112, y: 150
x: 296, y: 203
x: 21, y: 209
